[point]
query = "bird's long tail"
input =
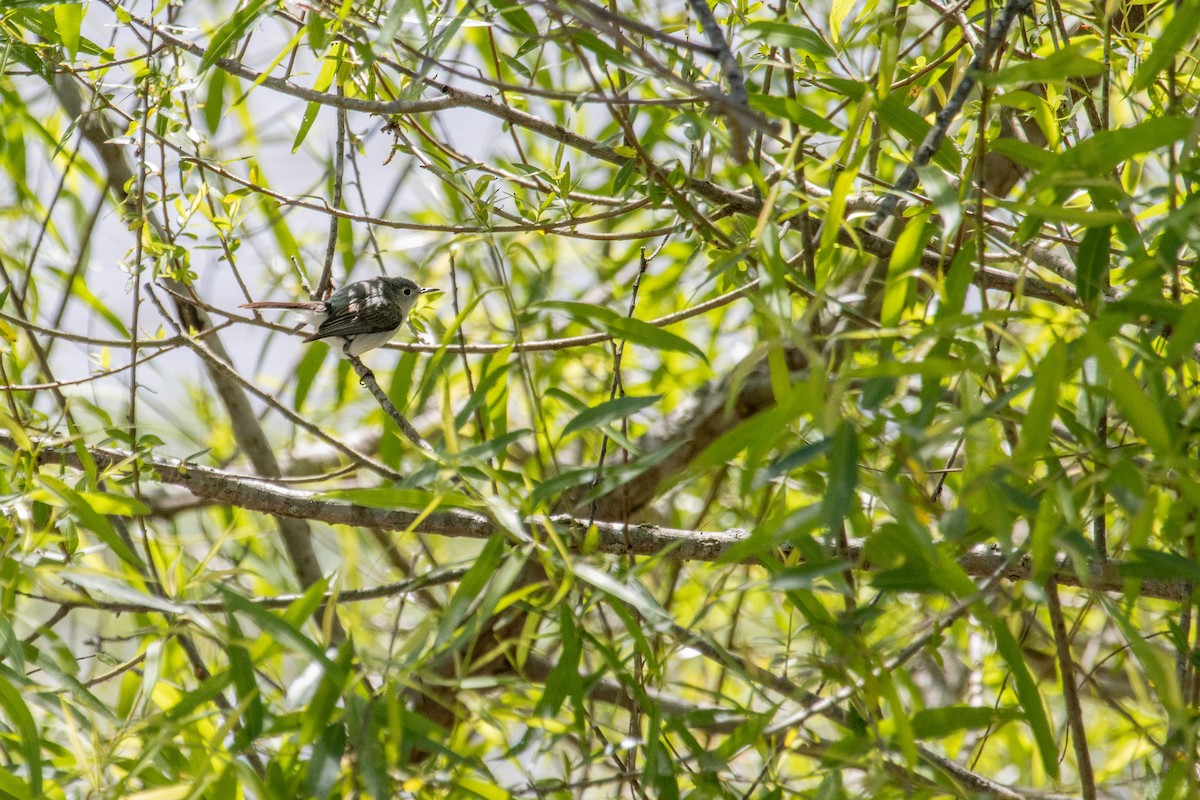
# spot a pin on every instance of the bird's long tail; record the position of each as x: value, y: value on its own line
x: 312, y: 305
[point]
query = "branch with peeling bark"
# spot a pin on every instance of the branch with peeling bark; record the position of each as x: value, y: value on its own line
x: 254, y: 494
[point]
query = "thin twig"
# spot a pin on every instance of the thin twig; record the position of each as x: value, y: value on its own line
x: 616, y: 387
x: 367, y: 378
x: 325, y: 284
x: 162, y: 605
x: 1066, y: 669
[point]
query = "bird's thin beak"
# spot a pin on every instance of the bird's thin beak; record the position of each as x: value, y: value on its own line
x: 430, y: 290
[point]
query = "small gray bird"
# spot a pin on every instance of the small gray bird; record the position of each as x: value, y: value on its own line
x: 359, y: 316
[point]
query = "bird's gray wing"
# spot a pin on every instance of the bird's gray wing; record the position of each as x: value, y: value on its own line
x: 377, y: 317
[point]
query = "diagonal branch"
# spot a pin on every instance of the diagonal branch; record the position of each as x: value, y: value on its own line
x: 933, y: 140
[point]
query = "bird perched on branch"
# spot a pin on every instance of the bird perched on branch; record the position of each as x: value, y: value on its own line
x: 358, y: 317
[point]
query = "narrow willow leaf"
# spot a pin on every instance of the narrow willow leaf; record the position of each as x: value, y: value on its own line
x: 1071, y: 61
x: 1027, y: 694
x: 325, y: 761
x: 232, y: 31
x: 796, y: 37
x: 1035, y: 432
x: 26, y: 730
x: 1156, y: 664
x: 1104, y: 150
x: 241, y: 666
x: 895, y: 114
x: 564, y: 679
x: 628, y: 328
x: 609, y: 411
x: 516, y: 16
x: 470, y: 588
x: 843, y: 476
x: 1092, y: 264
x: 68, y: 18
x: 1186, y: 333
x: 279, y: 627
x: 794, y: 111
x: 88, y: 518
x: 1171, y: 40
x: 905, y: 255
x: 1075, y: 215
x: 214, y: 100
x: 1139, y: 409
x: 932, y: 723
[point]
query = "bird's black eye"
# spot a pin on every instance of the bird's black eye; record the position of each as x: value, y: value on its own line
x: 407, y: 291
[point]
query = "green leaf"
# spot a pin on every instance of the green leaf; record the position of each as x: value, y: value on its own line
x: 281, y: 627
x: 1171, y: 39
x: 1156, y: 664
x: 515, y: 15
x: 68, y: 18
x: 492, y: 448
x: 905, y: 255
x: 843, y: 476
x: 897, y: 116
x: 81, y: 292
x: 11, y: 651
x: 1102, y: 151
x: 632, y: 330
x: 232, y: 31
x: 794, y: 460
x: 114, y: 504
x: 793, y: 111
x: 1057, y: 67
x: 26, y: 730
x: 306, y: 374
x: 314, y: 27
x: 1027, y: 692
x: 564, y: 679
x: 1092, y: 264
x: 470, y: 588
x: 327, y: 695
x: 609, y: 411
x: 1186, y: 333
x: 329, y: 68
x: 1023, y: 153
x: 1143, y: 415
x: 325, y: 761
x: 214, y: 100
x: 934, y: 723
x: 241, y: 667
x: 794, y: 36
x: 13, y: 787
x: 629, y: 591
x: 806, y: 575
x: 1035, y: 433
x: 306, y: 123
x: 636, y: 331
x: 839, y: 12
x: 1074, y: 215
x: 614, y: 475
x: 1147, y: 563
x: 901, y: 722
x: 660, y: 769
x: 17, y: 431
x: 88, y: 517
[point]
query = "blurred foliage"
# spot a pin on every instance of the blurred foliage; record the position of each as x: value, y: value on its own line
x: 660, y: 306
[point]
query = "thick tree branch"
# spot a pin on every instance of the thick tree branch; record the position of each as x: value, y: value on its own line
x: 253, y: 494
